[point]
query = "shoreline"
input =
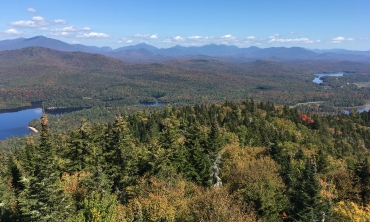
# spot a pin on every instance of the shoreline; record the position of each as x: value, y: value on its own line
x: 33, y: 129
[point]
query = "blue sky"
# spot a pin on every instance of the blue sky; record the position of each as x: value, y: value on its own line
x: 322, y: 24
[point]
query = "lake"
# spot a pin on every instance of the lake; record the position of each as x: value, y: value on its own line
x: 318, y: 76
x: 153, y: 104
x: 365, y: 109
x: 16, y: 123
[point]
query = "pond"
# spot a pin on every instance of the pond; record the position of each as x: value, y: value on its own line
x: 318, y: 76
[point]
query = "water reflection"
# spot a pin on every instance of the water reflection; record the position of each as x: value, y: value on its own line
x: 16, y: 123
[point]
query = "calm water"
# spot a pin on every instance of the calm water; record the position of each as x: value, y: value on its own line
x: 15, y: 123
x: 154, y: 104
x: 318, y: 76
x: 366, y: 108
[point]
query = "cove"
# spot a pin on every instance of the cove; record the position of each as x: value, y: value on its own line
x: 16, y: 123
x: 318, y: 76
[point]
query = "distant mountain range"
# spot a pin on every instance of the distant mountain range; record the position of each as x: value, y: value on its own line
x: 146, y: 53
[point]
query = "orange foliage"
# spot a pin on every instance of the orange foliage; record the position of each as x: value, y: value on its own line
x: 70, y: 184
x: 306, y: 118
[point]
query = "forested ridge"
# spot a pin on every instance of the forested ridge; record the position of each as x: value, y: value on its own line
x: 236, y: 161
x: 77, y: 79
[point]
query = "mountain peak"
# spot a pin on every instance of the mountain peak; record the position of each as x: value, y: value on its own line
x: 36, y: 38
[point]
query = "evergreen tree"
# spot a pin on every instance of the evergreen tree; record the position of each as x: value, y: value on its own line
x: 43, y: 198
x: 307, y: 204
x: 122, y: 158
x: 362, y: 171
x: 81, y: 148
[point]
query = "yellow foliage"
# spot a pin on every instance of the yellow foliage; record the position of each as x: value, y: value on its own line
x: 349, y: 211
x: 177, y: 200
x: 70, y: 184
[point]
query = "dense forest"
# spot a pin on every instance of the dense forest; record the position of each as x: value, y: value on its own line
x: 76, y: 79
x: 236, y: 161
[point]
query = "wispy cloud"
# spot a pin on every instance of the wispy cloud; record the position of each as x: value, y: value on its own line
x: 197, y: 40
x: 11, y: 32
x: 277, y: 39
x: 145, y: 36
x: 32, y: 10
x: 340, y: 39
x: 38, y: 18
x: 24, y: 24
x: 37, y: 22
x: 68, y: 31
x: 227, y: 37
x: 92, y: 35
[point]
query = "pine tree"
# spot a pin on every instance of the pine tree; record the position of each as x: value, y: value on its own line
x: 43, y: 198
x: 81, y: 148
x: 199, y: 161
x: 122, y: 158
x: 307, y: 204
x: 363, y: 173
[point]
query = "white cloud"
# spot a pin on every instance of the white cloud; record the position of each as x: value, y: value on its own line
x: 93, y: 35
x: 276, y: 39
x: 61, y: 33
x: 37, y: 22
x: 129, y: 41
x: 145, y: 36
x: 32, y: 10
x: 60, y: 21
x: 71, y: 29
x: 38, y: 18
x: 11, y: 32
x: 195, y: 37
x: 197, y: 40
x: 26, y: 24
x: 340, y: 39
x: 155, y: 36
x: 178, y: 38
x: 228, y: 37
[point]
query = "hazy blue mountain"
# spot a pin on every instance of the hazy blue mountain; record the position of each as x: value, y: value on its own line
x: 138, y: 46
x: 282, y: 52
x: 41, y: 41
x: 342, y: 51
x: 95, y: 49
x: 173, y: 51
x: 146, y: 53
x: 45, y: 42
